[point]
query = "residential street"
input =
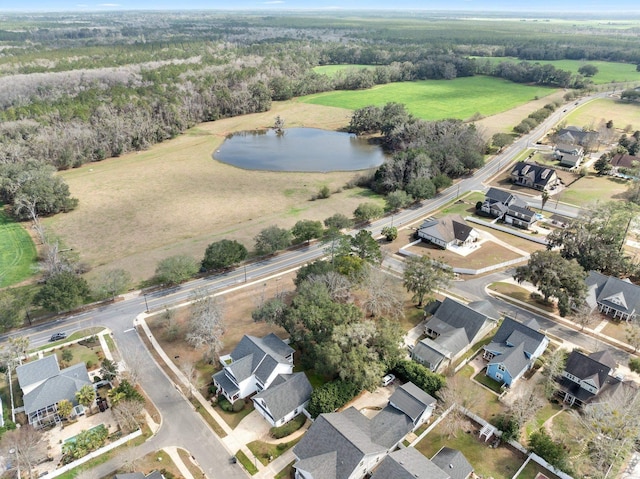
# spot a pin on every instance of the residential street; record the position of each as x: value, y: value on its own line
x: 181, y: 425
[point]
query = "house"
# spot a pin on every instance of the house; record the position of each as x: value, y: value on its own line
x: 284, y: 399
x: 621, y: 162
x: 44, y: 385
x: 452, y: 330
x: 508, y: 207
x: 534, y: 176
x: 252, y: 366
x: 408, y: 463
x: 618, y: 298
x: 574, y: 135
x: 569, y: 155
x: 586, y: 376
x: 349, y: 445
x: 448, y: 231
x: 139, y: 475
x: 513, y: 350
x: 454, y: 462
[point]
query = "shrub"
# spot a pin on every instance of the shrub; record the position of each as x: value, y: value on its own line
x: 331, y: 396
x: 288, y: 428
x: 238, y: 406
x: 548, y: 449
x: 324, y: 192
x: 634, y: 365
x: 419, y: 375
x: 509, y: 427
x: 224, y: 404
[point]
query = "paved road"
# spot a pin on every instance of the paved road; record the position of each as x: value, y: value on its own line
x: 181, y: 425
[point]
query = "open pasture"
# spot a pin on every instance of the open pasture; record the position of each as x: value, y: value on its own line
x: 17, y: 252
x: 608, y: 72
x: 461, y: 98
x: 592, y: 113
x: 175, y: 199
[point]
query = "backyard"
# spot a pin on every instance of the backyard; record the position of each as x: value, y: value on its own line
x: 592, y: 189
x: 17, y: 251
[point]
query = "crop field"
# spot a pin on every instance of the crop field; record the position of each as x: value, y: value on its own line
x: 608, y: 72
x: 175, y: 199
x: 461, y: 98
x: 17, y: 252
x: 592, y: 113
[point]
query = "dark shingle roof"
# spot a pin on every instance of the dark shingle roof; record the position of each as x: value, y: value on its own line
x: 499, y: 196
x: 446, y: 229
x: 541, y: 174
x: 36, y: 371
x: 408, y: 463
x: 286, y: 394
x: 513, y: 359
x: 453, y: 463
x: 389, y: 426
x: 428, y: 352
x: 225, y: 383
x: 530, y: 337
x: 619, y: 294
x: 411, y: 400
x: 322, y: 466
x: 452, y: 315
x: 584, y: 367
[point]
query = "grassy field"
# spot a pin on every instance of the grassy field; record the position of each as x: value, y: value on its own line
x: 175, y: 199
x: 437, y: 99
x: 608, y: 72
x: 593, y: 189
x: 592, y: 113
x: 17, y: 251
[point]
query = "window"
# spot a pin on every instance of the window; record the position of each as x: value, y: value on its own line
x: 501, y: 367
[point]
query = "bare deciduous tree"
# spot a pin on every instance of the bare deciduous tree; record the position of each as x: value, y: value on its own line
x: 189, y: 370
x: 383, y: 297
x: 27, y: 445
x: 525, y: 404
x: 454, y: 396
x: 584, y: 316
x: 206, y: 324
x: 128, y: 413
x: 552, y: 369
x: 338, y: 285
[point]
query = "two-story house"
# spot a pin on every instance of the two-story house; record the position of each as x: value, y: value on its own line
x: 615, y: 297
x: 349, y: 445
x: 513, y: 350
x: 252, y: 366
x: 452, y: 330
x: 284, y: 399
x: 569, y: 155
x: 408, y: 463
x: 534, y: 176
x: 508, y: 207
x: 585, y: 377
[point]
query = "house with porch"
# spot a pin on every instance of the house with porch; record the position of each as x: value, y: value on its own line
x: 448, y: 231
x: 534, y: 176
x: 44, y: 385
x: 513, y: 350
x: 585, y: 377
x: 615, y: 297
x: 508, y: 207
x: 284, y: 399
x: 408, y: 463
x: 253, y: 366
x: 452, y: 330
x: 349, y: 445
x: 570, y: 156
x: 574, y: 135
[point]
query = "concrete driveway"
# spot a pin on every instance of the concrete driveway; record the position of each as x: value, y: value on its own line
x: 370, y: 403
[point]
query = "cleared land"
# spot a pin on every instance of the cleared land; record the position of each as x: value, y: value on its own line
x: 175, y: 199
x: 461, y: 98
x: 608, y: 72
x: 17, y: 251
x: 592, y: 113
x: 593, y: 189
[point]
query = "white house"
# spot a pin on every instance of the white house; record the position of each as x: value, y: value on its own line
x: 284, y: 399
x: 252, y: 366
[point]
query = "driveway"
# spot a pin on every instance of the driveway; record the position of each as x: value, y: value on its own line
x: 370, y: 403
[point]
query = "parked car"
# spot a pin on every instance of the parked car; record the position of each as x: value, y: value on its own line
x: 57, y: 336
x: 388, y: 379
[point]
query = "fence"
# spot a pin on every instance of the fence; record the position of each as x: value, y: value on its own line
x: 94, y: 454
x: 507, y: 230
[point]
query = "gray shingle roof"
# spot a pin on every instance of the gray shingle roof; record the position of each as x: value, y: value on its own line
x: 59, y: 387
x: 452, y: 315
x: 347, y: 434
x: 225, y: 383
x: 428, y: 352
x: 242, y: 368
x: 453, y: 463
x: 36, y: 371
x: 499, y: 196
x: 485, y: 307
x: 446, y: 229
x: 389, y: 426
x: 408, y: 463
x: 411, y: 400
x: 584, y: 367
x: 513, y: 360
x: 286, y: 395
x: 513, y: 332
x: 616, y: 293
x: 321, y: 466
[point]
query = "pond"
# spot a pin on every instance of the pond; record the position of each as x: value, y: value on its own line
x: 299, y: 149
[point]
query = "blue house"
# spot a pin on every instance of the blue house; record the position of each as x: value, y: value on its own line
x: 513, y: 350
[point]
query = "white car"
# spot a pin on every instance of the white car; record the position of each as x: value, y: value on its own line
x: 388, y: 379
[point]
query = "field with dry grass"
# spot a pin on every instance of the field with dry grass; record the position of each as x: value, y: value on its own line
x: 175, y: 199
x: 592, y: 113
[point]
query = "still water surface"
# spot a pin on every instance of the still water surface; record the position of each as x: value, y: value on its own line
x: 298, y: 149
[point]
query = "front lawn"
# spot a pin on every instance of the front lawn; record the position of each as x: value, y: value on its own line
x: 499, y: 463
x: 267, y: 452
x: 233, y: 418
x: 521, y: 294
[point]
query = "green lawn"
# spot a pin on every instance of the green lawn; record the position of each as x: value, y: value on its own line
x: 608, y: 72
x: 491, y: 383
x: 437, y: 99
x: 499, y: 463
x: 331, y: 70
x: 17, y: 252
x: 484, y: 403
x: 591, y: 189
x: 532, y: 470
x: 541, y: 416
x: 267, y: 452
x: 464, y: 206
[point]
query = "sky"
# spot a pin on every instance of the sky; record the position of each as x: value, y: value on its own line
x: 583, y: 6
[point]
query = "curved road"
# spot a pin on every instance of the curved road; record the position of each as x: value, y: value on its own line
x: 181, y: 425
